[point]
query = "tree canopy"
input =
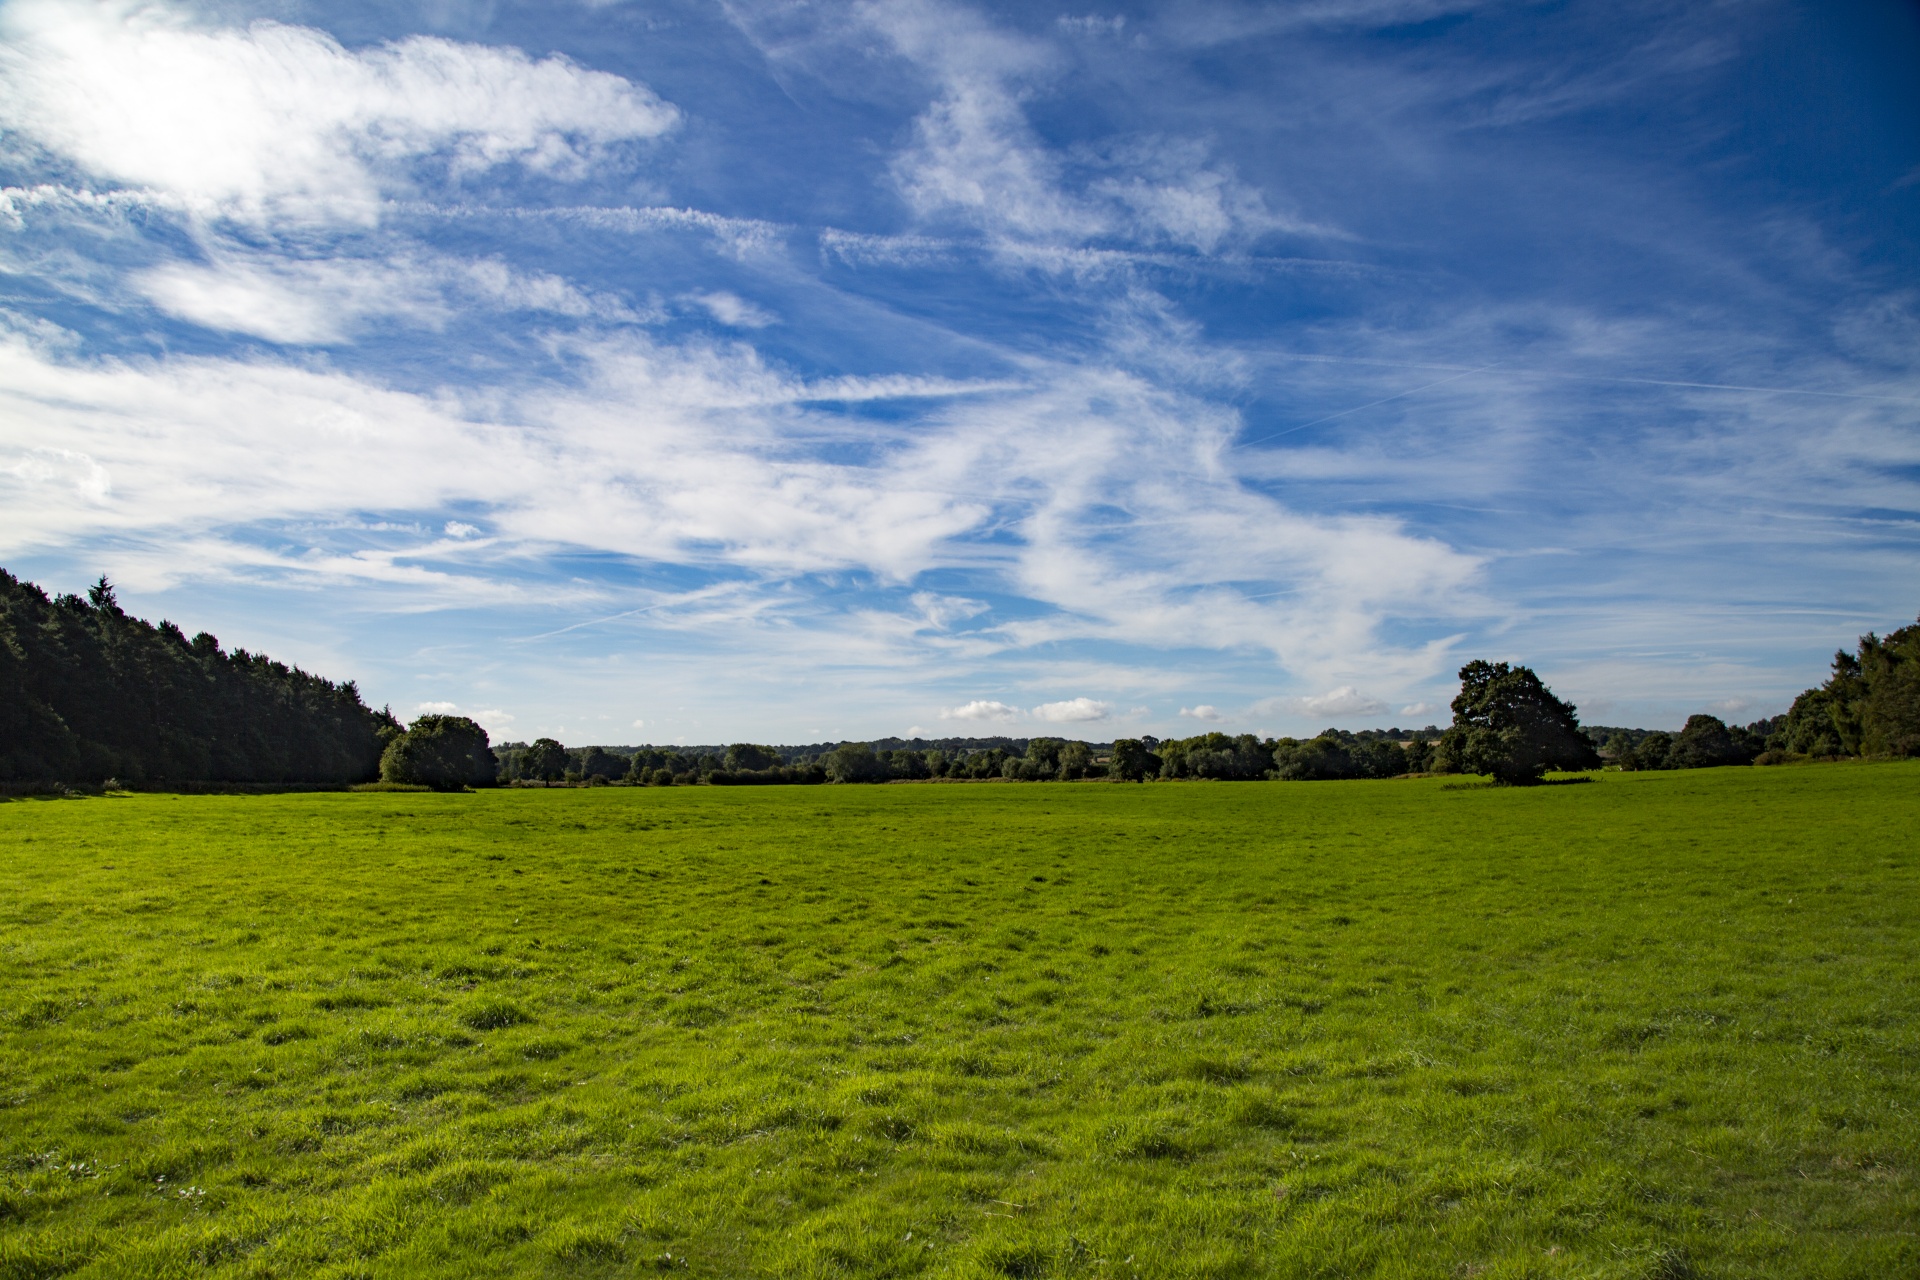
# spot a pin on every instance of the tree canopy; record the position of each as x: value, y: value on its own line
x: 88, y: 692
x: 1508, y: 724
x: 446, y: 753
x: 1869, y: 705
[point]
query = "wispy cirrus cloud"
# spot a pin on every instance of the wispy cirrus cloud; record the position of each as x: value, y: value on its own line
x: 326, y: 301
x: 1345, y: 702
x: 980, y: 352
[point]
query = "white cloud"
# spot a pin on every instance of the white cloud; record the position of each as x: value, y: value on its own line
x: 1419, y: 708
x: 981, y: 709
x: 732, y: 310
x: 287, y: 302
x: 437, y: 709
x: 687, y: 455
x: 325, y: 301
x: 1204, y: 711
x: 274, y: 121
x: 1344, y: 701
x: 461, y: 529
x: 59, y: 471
x: 1076, y: 710
x: 942, y: 612
x: 975, y: 156
x: 639, y: 724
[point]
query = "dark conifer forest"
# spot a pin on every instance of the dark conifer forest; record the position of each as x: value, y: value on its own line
x: 88, y: 693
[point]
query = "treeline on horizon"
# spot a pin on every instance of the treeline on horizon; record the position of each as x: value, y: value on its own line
x: 90, y: 694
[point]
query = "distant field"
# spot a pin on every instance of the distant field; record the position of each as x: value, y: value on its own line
x: 1663, y: 1025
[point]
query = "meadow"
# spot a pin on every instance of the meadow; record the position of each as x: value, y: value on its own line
x: 1661, y: 1025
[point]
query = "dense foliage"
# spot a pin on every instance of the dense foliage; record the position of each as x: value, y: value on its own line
x: 1705, y: 743
x: 89, y: 693
x: 1869, y: 706
x: 445, y: 753
x: 1508, y: 724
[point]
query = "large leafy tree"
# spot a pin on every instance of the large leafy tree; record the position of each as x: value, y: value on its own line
x: 1132, y: 761
x: 1508, y: 724
x: 751, y: 757
x: 855, y: 762
x: 1705, y: 743
x: 598, y: 762
x: 446, y: 753
x: 545, y: 761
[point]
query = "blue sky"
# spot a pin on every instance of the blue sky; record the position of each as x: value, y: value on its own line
x: 790, y: 371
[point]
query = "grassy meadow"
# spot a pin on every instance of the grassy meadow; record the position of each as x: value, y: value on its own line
x: 1662, y: 1025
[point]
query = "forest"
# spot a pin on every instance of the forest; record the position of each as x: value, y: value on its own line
x: 92, y: 695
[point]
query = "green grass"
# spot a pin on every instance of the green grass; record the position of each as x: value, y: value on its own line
x: 1659, y: 1026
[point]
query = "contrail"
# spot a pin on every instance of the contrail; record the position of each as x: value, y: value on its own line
x: 1314, y: 358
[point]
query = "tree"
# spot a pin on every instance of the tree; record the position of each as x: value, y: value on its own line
x: 911, y: 765
x: 1216, y: 755
x: 1870, y: 705
x: 545, y: 761
x: 977, y: 764
x: 1132, y: 761
x: 1706, y: 743
x: 598, y: 762
x: 855, y: 762
x: 746, y: 757
x: 446, y: 753
x: 1076, y: 761
x: 1508, y: 724
x: 89, y: 692
x: 1890, y: 714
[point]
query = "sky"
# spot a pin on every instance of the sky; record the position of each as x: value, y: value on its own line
x: 789, y: 370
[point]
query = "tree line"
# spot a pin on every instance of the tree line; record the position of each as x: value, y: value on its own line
x: 1507, y: 725
x: 89, y: 693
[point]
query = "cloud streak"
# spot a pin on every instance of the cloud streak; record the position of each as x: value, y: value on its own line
x: 927, y: 350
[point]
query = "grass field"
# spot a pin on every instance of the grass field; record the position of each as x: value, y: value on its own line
x: 1659, y: 1026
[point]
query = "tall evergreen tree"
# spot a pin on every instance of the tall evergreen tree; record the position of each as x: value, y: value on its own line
x: 88, y: 692
x: 1870, y: 705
